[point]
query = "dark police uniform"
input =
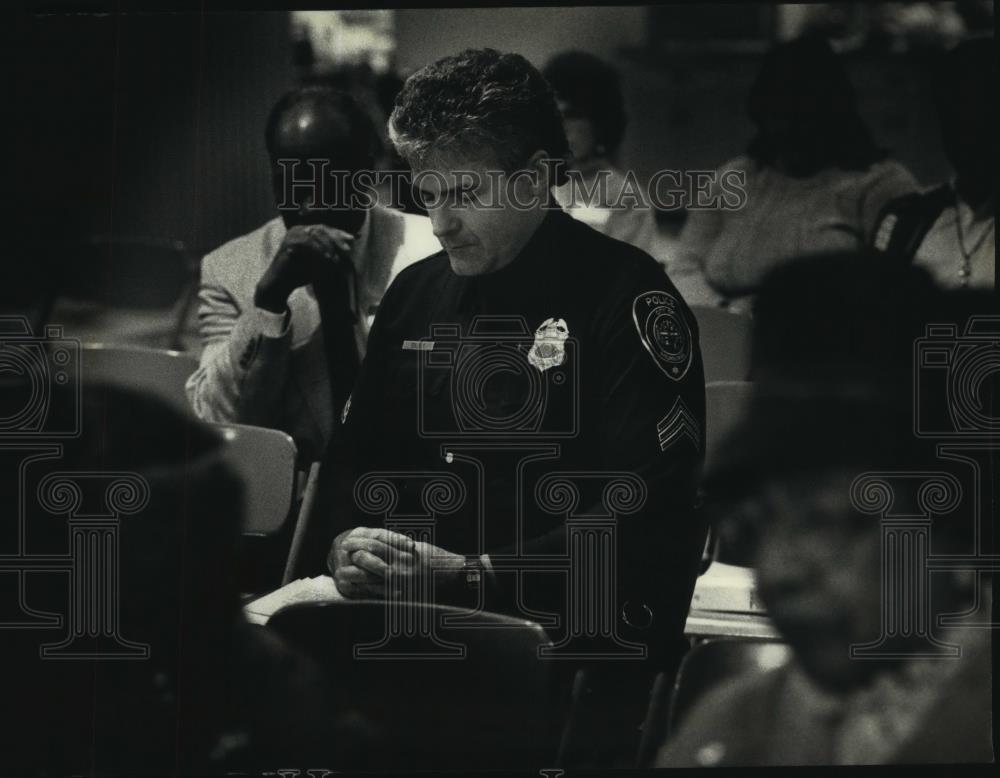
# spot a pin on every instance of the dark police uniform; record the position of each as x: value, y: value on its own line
x: 568, y: 383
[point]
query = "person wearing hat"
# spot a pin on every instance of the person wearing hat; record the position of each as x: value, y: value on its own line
x: 830, y: 410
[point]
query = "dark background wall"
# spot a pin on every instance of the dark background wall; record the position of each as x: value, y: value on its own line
x: 149, y: 124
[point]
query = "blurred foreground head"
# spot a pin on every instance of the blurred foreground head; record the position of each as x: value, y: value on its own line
x: 178, y: 522
x: 832, y: 401
x: 177, y: 553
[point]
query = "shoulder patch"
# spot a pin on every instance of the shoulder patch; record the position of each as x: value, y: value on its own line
x: 664, y: 332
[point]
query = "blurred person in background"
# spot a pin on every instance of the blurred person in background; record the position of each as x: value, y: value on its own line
x: 950, y: 229
x: 832, y: 402
x: 589, y: 95
x: 815, y: 181
x: 214, y: 694
x: 285, y: 310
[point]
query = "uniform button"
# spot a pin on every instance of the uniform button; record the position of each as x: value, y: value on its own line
x: 637, y: 615
x: 449, y: 457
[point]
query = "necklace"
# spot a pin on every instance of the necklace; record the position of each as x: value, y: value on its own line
x: 966, y: 268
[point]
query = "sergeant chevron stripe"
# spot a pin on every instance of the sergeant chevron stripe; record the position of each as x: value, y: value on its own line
x: 676, y: 424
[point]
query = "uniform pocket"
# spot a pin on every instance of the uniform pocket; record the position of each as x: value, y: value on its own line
x: 412, y: 374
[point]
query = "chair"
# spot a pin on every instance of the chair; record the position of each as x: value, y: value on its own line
x: 153, y: 371
x: 135, y: 291
x: 725, y: 343
x: 265, y: 461
x: 293, y: 566
x: 417, y: 701
x: 710, y: 663
x: 725, y: 404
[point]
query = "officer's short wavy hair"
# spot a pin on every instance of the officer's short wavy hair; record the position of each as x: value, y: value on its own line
x: 475, y: 101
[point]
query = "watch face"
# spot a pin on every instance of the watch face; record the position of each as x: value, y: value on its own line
x: 473, y: 571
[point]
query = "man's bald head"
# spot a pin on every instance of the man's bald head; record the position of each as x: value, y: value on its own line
x: 319, y: 123
x: 323, y: 123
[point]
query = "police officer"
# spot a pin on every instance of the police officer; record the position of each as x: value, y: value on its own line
x: 540, y: 374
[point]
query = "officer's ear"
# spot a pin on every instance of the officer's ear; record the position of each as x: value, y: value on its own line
x: 539, y: 164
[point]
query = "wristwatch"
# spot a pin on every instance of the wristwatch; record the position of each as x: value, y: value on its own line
x: 472, y: 573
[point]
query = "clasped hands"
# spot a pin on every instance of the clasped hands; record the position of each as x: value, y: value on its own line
x: 307, y: 255
x: 376, y: 563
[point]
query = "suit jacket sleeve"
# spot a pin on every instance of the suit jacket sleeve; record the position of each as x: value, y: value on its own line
x: 887, y: 182
x: 244, y: 359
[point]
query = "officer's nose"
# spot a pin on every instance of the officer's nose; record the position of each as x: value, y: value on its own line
x: 444, y: 222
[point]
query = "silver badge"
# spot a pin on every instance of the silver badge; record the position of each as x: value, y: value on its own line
x: 549, y: 349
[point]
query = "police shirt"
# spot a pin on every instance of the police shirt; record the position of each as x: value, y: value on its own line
x: 564, y: 388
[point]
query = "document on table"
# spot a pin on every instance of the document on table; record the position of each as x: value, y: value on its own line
x: 727, y: 588
x: 318, y: 589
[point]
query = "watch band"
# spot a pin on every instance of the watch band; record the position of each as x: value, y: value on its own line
x: 472, y: 573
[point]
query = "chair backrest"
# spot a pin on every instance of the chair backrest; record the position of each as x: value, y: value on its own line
x: 154, y: 371
x: 123, y: 289
x: 265, y: 460
x: 294, y: 567
x: 725, y: 343
x: 135, y: 272
x: 712, y: 662
x: 725, y: 404
x: 470, y: 696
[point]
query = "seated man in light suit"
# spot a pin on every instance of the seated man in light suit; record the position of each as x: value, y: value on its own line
x: 285, y: 310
